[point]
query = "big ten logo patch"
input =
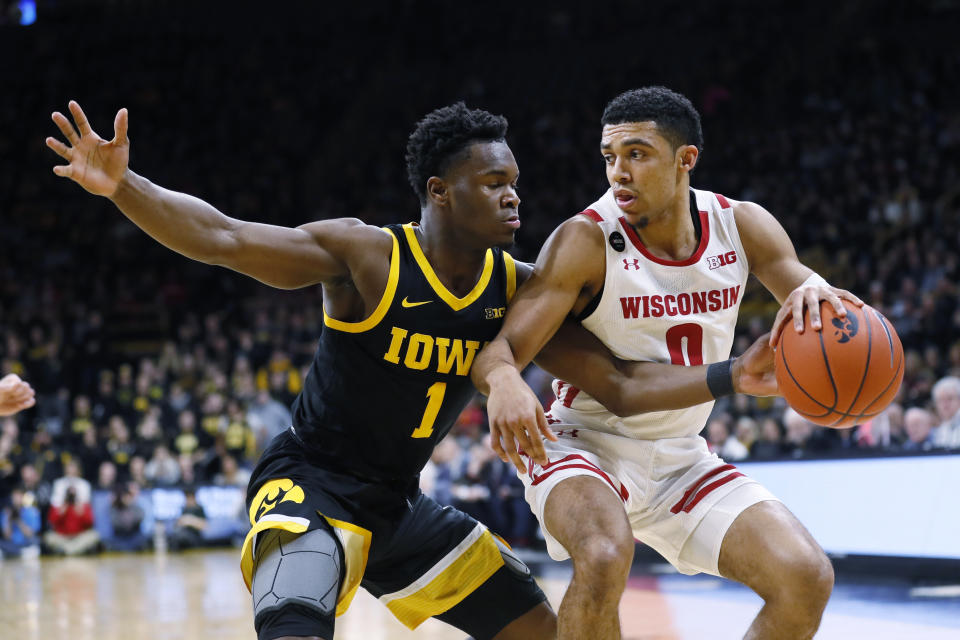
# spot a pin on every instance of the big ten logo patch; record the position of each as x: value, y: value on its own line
x: 722, y: 259
x: 273, y: 493
x: 492, y: 313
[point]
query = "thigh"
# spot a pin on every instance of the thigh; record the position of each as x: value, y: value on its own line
x: 763, y: 544
x: 442, y: 563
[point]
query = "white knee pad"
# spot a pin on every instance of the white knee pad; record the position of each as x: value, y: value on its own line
x: 296, y: 569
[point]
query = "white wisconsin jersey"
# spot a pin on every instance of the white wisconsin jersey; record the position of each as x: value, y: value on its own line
x: 657, y: 310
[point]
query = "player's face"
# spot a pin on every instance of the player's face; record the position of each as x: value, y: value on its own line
x: 643, y: 168
x: 482, y: 189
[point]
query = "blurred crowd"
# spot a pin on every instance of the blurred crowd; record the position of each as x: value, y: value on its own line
x: 152, y: 371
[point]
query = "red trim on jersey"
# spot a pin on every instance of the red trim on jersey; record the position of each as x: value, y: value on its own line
x: 686, y: 496
x: 710, y: 487
x: 568, y: 463
x: 704, y: 241
x: 593, y: 215
x: 723, y: 201
x: 572, y: 393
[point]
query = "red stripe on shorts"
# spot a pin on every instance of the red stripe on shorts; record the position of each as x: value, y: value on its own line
x: 710, y: 487
x: 686, y: 496
x: 572, y: 393
x: 568, y: 463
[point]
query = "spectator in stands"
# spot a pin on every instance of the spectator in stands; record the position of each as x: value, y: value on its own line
x: 162, y: 470
x: 126, y: 519
x: 231, y: 474
x: 189, y: 528
x: 268, y: 418
x: 90, y: 453
x: 722, y: 442
x: 919, y: 426
x: 798, y: 434
x: 36, y: 490
x: 106, y: 476
x: 71, y: 480
x: 71, y: 525
x: 946, y: 399
x: 768, y: 444
x: 19, y: 526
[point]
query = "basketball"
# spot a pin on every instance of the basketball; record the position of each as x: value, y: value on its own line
x: 844, y: 374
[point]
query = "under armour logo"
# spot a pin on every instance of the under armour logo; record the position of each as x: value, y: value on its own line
x: 632, y: 263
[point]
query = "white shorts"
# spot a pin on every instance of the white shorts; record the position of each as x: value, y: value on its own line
x: 680, y: 499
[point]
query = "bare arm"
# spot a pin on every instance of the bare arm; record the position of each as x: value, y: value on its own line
x: 279, y: 256
x: 569, y: 270
x: 775, y: 263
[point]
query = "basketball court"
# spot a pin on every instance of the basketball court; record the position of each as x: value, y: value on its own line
x: 200, y: 595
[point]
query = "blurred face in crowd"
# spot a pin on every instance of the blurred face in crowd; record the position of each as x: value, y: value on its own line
x: 918, y: 424
x: 947, y: 401
x: 480, y: 191
x: 644, y: 169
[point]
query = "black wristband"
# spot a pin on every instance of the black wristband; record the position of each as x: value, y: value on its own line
x: 720, y: 378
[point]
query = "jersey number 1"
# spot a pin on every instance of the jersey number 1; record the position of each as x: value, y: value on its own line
x: 694, y: 336
x: 434, y: 400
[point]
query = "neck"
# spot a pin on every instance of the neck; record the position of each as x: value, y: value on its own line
x: 453, y: 253
x: 669, y: 233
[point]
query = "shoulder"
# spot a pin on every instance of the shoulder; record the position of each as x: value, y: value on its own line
x: 580, y: 229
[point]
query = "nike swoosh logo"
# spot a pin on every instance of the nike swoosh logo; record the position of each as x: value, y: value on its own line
x: 406, y: 303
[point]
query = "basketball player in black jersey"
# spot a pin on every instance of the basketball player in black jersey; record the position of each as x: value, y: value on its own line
x: 334, y: 502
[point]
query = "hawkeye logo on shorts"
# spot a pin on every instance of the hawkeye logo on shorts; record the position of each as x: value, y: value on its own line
x: 272, y: 494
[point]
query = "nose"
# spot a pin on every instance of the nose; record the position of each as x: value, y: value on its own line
x: 619, y: 171
x: 510, y: 199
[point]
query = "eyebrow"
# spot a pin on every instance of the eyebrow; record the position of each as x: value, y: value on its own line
x: 629, y: 142
x: 497, y: 172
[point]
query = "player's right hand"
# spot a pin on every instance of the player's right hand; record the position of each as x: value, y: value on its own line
x: 516, y: 419
x: 15, y: 395
x: 95, y: 164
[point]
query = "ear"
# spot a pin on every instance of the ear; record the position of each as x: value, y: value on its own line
x: 437, y: 191
x: 687, y: 156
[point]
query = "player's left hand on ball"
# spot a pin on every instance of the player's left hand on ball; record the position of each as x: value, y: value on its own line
x: 753, y: 372
x: 15, y: 395
x: 809, y: 296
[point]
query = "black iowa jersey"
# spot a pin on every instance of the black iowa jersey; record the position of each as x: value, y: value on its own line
x: 382, y: 392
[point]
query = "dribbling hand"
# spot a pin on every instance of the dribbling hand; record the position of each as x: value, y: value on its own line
x: 809, y: 296
x: 95, y: 164
x: 753, y: 371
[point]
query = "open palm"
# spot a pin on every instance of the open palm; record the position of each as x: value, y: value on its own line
x: 96, y: 164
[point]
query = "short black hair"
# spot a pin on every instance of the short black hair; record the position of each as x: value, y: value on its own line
x: 441, y: 135
x: 675, y: 116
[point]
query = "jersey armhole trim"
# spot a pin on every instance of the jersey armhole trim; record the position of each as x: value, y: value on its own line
x: 511, y: 268
x: 385, y: 301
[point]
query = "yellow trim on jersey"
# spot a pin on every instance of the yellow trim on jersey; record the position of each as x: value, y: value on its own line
x: 451, y: 580
x: 511, y: 275
x: 293, y: 525
x: 385, y: 301
x: 356, y: 547
x: 453, y: 301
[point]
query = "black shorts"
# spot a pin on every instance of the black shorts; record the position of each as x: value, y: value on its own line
x: 420, y: 559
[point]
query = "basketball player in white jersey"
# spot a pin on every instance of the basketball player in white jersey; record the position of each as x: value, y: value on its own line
x: 656, y: 270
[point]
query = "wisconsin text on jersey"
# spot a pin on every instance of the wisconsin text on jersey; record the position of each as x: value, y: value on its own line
x: 681, y: 304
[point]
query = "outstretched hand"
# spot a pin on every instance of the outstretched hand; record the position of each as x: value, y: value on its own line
x: 753, y: 371
x: 15, y: 395
x: 517, y: 422
x: 96, y: 165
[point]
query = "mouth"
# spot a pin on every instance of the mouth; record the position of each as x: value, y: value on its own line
x: 513, y: 221
x: 624, y: 198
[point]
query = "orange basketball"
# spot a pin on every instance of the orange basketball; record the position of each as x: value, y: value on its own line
x: 844, y: 374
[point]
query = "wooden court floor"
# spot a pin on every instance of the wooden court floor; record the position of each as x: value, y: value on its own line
x: 200, y: 595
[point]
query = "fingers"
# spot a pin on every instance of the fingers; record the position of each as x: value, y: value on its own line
x: 64, y: 171
x: 513, y: 452
x: 778, y: 323
x: 65, y: 128
x: 83, y: 126
x: 120, y: 127
x: 812, y: 300
x: 846, y: 295
x: 60, y: 149
x: 496, y: 445
x: 545, y: 426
